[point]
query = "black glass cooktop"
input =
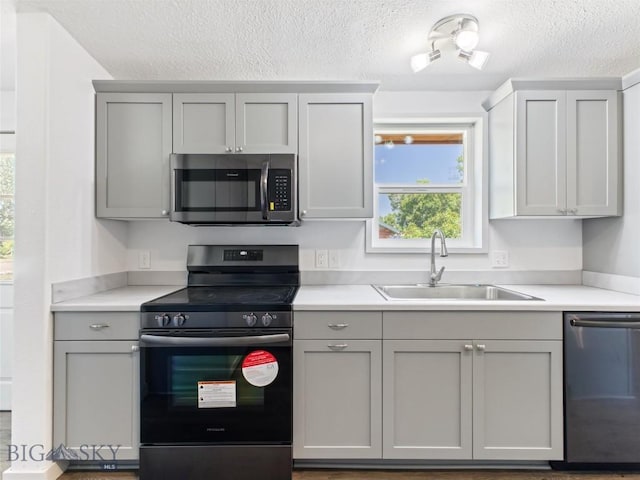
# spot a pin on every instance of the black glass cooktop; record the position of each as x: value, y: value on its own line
x: 219, y: 298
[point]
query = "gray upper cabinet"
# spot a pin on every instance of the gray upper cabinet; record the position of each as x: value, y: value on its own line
x: 133, y: 145
x: 235, y: 123
x: 555, y: 153
x: 336, y: 156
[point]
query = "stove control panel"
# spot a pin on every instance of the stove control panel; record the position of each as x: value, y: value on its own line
x: 242, y: 319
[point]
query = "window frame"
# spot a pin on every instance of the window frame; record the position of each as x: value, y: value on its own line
x: 474, y: 210
x: 8, y: 145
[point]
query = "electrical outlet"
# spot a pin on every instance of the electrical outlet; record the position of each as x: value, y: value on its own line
x: 322, y: 258
x: 500, y: 259
x: 334, y: 258
x: 144, y: 259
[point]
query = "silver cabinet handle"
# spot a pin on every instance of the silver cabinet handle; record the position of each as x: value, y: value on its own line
x: 135, y: 348
x: 338, y: 326
x: 165, y: 212
x: 303, y: 213
x: 481, y: 347
x: 338, y: 346
x: 468, y: 347
x: 562, y: 211
x: 573, y: 211
x: 228, y: 149
x: 239, y: 149
x: 98, y: 326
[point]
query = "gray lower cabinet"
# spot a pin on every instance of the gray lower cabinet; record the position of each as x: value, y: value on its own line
x: 96, y: 385
x: 337, y: 388
x: 133, y: 145
x: 335, y: 159
x: 427, y: 399
x: 454, y: 398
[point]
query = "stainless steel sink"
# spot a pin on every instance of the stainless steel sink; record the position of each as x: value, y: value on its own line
x: 449, y: 292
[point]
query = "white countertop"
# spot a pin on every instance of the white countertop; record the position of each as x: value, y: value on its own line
x: 555, y: 298
x: 124, y: 299
x: 364, y: 297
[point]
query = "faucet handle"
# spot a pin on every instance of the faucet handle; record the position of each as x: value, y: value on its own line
x: 436, y: 277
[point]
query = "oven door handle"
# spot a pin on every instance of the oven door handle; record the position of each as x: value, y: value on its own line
x: 264, y: 190
x: 168, y: 341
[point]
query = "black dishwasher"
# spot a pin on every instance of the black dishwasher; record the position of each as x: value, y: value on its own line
x: 602, y: 389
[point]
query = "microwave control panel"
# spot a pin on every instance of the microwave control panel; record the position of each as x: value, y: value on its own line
x: 279, y: 190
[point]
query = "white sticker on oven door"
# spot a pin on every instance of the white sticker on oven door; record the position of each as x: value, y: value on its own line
x: 217, y: 394
x: 260, y: 368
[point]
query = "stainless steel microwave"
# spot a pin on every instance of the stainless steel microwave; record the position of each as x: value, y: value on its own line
x: 229, y: 189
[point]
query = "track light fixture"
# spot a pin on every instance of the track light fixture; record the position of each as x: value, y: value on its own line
x: 462, y: 30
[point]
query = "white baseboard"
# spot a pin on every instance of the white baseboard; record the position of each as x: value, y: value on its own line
x: 49, y: 472
x: 619, y: 283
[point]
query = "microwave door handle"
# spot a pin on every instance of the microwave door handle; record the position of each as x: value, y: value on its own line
x: 168, y: 341
x: 264, y: 190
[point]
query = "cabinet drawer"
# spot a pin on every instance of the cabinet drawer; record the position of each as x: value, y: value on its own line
x: 96, y: 326
x: 336, y: 325
x: 443, y: 325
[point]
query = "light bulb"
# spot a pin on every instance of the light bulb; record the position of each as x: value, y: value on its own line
x: 466, y: 39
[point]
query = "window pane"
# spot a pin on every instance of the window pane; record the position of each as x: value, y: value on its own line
x: 7, y: 173
x: 417, y: 215
x: 422, y: 161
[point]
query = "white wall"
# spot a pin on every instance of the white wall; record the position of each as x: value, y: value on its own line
x: 57, y: 236
x: 532, y: 245
x: 611, y: 244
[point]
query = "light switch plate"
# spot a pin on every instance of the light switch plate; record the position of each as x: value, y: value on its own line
x: 334, y: 258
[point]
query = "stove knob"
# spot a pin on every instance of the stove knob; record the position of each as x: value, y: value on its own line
x: 267, y: 319
x: 178, y: 320
x: 163, y: 320
x: 251, y: 319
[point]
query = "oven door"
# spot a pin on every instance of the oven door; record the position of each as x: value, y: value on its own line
x: 214, y: 387
x: 228, y: 189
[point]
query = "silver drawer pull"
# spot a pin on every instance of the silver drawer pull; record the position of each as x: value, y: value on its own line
x: 339, y: 346
x: 338, y: 326
x: 468, y: 347
x: 98, y: 326
x: 481, y: 347
x: 135, y: 348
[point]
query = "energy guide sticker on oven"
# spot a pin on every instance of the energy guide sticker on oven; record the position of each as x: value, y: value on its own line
x: 260, y: 368
x: 217, y: 394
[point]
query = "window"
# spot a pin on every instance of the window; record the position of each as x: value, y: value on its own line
x: 427, y: 176
x: 7, y: 178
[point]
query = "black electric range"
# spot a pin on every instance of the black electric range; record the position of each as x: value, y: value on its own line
x: 216, y: 398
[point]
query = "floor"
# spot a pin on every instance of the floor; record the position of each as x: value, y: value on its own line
x: 396, y: 475
x: 5, y: 440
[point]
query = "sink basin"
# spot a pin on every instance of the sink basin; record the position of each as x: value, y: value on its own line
x: 449, y: 292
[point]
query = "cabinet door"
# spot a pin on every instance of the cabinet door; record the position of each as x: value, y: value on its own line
x: 203, y: 122
x: 593, y: 158
x: 95, y: 398
x: 336, y: 156
x: 133, y: 144
x: 517, y: 400
x: 541, y: 152
x: 427, y: 399
x: 337, y: 399
x: 267, y: 123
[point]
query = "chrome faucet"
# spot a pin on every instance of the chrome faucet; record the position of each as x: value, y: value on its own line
x: 434, y: 277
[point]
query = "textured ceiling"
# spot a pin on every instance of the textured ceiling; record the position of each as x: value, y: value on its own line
x: 348, y: 39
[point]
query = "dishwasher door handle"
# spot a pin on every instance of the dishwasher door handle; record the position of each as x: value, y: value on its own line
x: 604, y: 321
